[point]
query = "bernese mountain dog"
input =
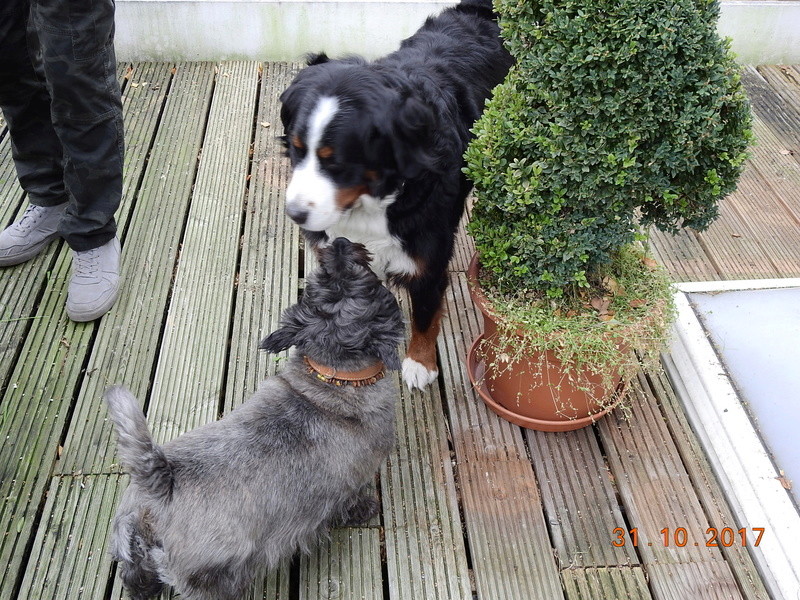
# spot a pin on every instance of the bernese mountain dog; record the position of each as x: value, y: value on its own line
x: 377, y: 155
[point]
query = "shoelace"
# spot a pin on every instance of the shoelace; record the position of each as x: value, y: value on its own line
x: 30, y: 218
x: 86, y: 262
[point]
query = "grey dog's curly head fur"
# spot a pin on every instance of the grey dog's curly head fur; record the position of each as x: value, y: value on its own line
x: 346, y: 318
x: 205, y: 511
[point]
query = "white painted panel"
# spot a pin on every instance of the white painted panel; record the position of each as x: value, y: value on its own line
x: 763, y: 31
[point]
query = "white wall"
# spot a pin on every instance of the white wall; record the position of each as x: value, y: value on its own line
x: 264, y: 29
x: 763, y: 31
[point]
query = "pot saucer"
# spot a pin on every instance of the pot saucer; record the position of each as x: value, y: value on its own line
x: 476, y: 369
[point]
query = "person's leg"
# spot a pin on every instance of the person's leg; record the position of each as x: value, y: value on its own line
x: 35, y: 147
x: 76, y: 38
x: 25, y: 101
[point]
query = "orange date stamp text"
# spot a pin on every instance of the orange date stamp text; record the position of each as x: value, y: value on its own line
x: 679, y: 537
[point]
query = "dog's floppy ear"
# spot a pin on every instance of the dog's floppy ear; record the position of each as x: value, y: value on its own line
x: 290, y: 104
x: 390, y: 357
x: 385, y: 345
x: 278, y: 341
x: 412, y: 127
x: 284, y: 337
x: 316, y: 58
x: 305, y: 81
x: 293, y: 96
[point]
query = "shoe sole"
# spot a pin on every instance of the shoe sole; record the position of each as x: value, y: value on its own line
x: 32, y: 252
x: 94, y: 314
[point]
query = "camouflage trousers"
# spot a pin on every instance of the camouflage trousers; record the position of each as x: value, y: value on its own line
x: 60, y: 96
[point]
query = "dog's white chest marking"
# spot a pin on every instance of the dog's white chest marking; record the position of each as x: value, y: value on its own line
x: 366, y: 223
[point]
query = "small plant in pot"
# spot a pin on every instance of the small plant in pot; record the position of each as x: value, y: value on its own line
x: 617, y: 116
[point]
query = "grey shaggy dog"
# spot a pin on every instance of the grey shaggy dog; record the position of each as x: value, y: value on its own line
x: 208, y: 510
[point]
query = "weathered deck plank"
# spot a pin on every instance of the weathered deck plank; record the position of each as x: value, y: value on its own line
x: 425, y: 552
x: 189, y: 378
x: 127, y: 345
x: 700, y: 581
x: 577, y: 492
x: 71, y: 559
x: 267, y: 274
x: 660, y: 502
x: 683, y: 255
x: 708, y: 490
x: 346, y: 566
x: 775, y: 92
x: 626, y: 583
x: 778, y: 165
x: 10, y: 191
x: 268, y: 278
x: 507, y: 534
x: 35, y: 406
x: 733, y: 247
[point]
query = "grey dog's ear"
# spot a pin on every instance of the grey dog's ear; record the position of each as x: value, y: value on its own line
x: 286, y: 336
x: 390, y: 358
x: 279, y: 340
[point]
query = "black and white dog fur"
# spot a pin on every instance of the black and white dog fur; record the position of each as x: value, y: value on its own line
x: 377, y: 151
x: 208, y: 510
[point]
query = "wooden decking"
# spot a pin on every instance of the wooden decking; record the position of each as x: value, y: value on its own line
x: 472, y: 507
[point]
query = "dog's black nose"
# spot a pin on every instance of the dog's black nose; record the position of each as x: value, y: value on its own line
x: 296, y: 214
x: 341, y: 244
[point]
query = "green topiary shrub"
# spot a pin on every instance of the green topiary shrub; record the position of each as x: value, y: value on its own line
x: 617, y: 112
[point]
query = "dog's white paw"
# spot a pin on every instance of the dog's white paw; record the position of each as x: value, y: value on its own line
x: 417, y: 375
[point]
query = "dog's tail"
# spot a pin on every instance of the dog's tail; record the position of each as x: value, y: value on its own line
x: 144, y: 459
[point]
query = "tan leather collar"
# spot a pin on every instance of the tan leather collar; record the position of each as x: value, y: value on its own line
x: 366, y: 376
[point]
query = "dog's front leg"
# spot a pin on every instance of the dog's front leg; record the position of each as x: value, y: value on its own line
x: 420, y: 368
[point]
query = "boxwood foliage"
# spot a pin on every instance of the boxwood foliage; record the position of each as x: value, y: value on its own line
x: 617, y: 112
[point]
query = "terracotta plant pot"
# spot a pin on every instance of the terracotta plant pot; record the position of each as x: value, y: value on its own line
x: 536, y: 391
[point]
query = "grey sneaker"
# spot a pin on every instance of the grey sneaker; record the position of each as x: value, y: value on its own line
x: 94, y: 286
x: 31, y: 234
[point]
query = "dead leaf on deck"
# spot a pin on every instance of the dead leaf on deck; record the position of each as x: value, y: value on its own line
x: 784, y: 481
x: 787, y: 152
x: 601, y: 305
x: 612, y: 285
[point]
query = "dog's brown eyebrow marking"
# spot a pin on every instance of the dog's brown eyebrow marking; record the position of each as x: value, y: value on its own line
x: 325, y: 152
x: 297, y: 142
